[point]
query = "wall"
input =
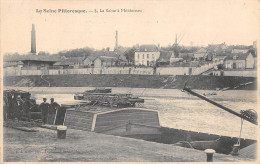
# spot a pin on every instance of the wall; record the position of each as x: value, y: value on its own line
x: 172, y: 71
x: 246, y: 73
x: 97, y: 63
x: 250, y: 61
x: 10, y: 71
x: 116, y: 70
x: 239, y: 64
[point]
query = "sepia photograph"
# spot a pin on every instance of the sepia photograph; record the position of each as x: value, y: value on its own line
x: 129, y: 81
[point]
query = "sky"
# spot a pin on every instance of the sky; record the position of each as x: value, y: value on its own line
x: 198, y: 22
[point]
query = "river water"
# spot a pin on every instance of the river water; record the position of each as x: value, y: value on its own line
x: 178, y: 109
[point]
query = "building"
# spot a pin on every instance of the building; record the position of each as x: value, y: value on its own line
x: 104, y: 61
x: 200, y: 54
x: 32, y: 61
x: 117, y: 57
x: 164, y: 58
x: 219, y: 58
x: 239, y: 61
x: 74, y: 62
x: 235, y: 50
x: 147, y: 55
x: 187, y: 56
x: 214, y: 50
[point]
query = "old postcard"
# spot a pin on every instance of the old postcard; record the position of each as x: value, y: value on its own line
x: 129, y: 81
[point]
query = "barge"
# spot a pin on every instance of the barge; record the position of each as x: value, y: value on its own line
x: 144, y: 124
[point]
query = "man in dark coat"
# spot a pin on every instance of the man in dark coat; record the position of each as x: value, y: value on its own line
x: 44, y: 107
x: 52, y: 111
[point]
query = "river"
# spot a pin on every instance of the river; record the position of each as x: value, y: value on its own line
x: 178, y: 109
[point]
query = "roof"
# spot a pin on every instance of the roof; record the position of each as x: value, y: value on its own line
x: 165, y: 56
x: 148, y: 48
x: 181, y: 55
x: 215, y: 47
x: 11, y: 64
x: 70, y: 61
x: 240, y: 50
x: 32, y: 57
x: 201, y: 50
x: 237, y: 56
x: 107, y: 58
x: 107, y: 54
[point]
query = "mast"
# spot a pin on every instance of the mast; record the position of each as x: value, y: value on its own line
x: 220, y: 106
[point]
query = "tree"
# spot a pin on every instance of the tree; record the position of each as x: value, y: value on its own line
x: 220, y: 66
x: 43, y: 53
x: 79, y: 52
x: 130, y: 54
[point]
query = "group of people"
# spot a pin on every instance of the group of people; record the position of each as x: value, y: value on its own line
x: 49, y: 111
x: 16, y: 107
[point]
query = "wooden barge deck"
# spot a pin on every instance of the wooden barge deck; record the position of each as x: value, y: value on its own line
x: 144, y: 124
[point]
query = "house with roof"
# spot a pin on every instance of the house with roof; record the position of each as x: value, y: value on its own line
x: 147, y: 55
x: 117, y: 56
x: 74, y: 62
x: 164, y: 58
x: 200, y: 54
x: 239, y: 61
x: 215, y: 49
x: 34, y: 61
x: 104, y: 61
x: 188, y: 56
x: 219, y: 58
x: 235, y: 50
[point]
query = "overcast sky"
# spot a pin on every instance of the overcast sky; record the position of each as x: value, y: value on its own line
x: 200, y: 22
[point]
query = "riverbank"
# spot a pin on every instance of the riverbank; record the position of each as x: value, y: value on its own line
x: 82, y: 146
x: 133, y: 81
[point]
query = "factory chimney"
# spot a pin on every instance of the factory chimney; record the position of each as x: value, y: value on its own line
x: 116, y: 47
x: 33, y: 40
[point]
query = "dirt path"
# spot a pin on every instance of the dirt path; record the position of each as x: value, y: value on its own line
x: 82, y: 146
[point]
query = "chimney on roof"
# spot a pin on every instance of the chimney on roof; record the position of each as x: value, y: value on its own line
x: 33, y: 40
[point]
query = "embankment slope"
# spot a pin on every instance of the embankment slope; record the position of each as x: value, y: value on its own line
x: 134, y: 81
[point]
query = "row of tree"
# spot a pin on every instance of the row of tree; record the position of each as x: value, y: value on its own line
x: 128, y: 52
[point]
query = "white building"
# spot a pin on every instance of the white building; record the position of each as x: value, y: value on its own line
x: 240, y: 61
x: 147, y: 55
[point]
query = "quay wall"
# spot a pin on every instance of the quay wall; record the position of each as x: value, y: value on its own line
x: 21, y: 71
x: 133, y: 81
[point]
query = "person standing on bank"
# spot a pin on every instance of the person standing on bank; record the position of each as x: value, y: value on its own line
x: 52, y: 111
x: 44, y: 107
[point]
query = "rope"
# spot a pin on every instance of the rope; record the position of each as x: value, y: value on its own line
x: 239, y: 138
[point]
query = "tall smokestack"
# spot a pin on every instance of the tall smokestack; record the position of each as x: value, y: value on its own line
x: 33, y: 40
x: 116, y: 47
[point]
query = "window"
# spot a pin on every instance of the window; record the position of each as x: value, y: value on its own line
x: 143, y: 56
x: 153, y: 56
x: 147, y: 56
x: 138, y: 56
